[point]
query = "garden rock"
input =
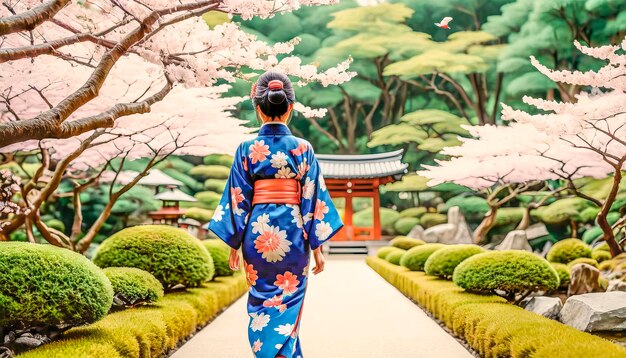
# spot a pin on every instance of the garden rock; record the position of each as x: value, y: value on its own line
x: 455, y: 231
x: 584, y: 279
x: 536, y: 230
x: 616, y: 285
x: 605, y: 311
x: 417, y: 232
x: 546, y: 306
x: 515, y: 240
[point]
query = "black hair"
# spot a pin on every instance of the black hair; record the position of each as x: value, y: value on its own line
x: 273, y: 102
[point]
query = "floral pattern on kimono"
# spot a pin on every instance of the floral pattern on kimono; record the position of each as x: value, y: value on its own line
x: 276, y: 239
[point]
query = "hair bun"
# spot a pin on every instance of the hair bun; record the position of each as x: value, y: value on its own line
x: 277, y: 97
x: 275, y: 85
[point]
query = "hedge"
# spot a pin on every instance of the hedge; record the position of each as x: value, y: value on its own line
x: 220, y: 253
x: 388, y: 218
x: 133, y: 286
x: 171, y: 254
x: 394, y: 256
x: 210, y: 171
x: 443, y: 262
x: 478, y: 319
x: 48, y: 285
x: 413, y: 212
x: 149, y: 331
x: 200, y: 214
x: 415, y: 258
x: 383, y: 251
x: 405, y: 243
x: 216, y: 185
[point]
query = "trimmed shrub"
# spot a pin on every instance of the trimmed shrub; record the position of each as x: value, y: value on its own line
x: 511, y: 271
x: 491, y: 326
x: 582, y: 260
x: 564, y: 274
x: 47, y: 285
x: 567, y: 250
x: 443, y: 262
x: 589, y: 214
x: 562, y: 210
x: 404, y: 225
x: 220, y: 252
x: 415, y: 258
x: 388, y: 218
x: 219, y: 159
x: 177, y: 163
x: 216, y: 185
x: 210, y: 171
x: 394, y: 256
x: 132, y: 286
x: 602, y: 247
x: 383, y: 251
x: 432, y: 219
x: 200, y: 214
x: 600, y: 255
x: 413, y: 212
x: 56, y: 224
x: 592, y: 234
x: 405, y: 243
x: 147, y: 331
x: 472, y: 207
x: 509, y: 216
x: 172, y: 255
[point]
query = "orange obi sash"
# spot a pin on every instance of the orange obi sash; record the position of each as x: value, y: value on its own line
x: 276, y: 191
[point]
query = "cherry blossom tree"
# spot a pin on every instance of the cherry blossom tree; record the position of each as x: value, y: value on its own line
x: 564, y: 141
x: 153, y: 44
x: 104, y: 80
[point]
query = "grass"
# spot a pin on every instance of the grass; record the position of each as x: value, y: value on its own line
x: 491, y: 326
x: 148, y: 331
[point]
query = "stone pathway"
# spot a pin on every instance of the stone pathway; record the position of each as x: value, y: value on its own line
x: 349, y: 311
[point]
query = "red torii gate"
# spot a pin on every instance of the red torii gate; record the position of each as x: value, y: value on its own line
x: 349, y: 176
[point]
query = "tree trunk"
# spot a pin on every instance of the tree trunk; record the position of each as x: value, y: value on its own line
x: 525, y: 223
x: 487, y: 224
x: 609, y: 237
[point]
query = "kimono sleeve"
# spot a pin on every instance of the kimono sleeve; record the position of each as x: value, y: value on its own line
x: 231, y: 215
x: 320, y: 217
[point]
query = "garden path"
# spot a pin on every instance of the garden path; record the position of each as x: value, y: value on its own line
x: 349, y: 311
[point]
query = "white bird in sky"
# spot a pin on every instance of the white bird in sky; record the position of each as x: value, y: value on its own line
x: 444, y: 23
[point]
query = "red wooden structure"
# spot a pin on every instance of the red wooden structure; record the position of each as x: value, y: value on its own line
x: 350, y: 176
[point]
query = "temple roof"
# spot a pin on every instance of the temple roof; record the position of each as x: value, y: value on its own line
x: 363, y: 166
x: 173, y: 194
x: 157, y: 178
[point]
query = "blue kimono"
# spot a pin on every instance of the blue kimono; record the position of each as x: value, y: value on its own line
x: 276, y: 239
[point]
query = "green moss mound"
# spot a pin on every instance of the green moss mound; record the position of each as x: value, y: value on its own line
x: 432, y: 219
x: 219, y: 159
x: 592, y: 234
x: 200, y: 214
x: 220, y: 252
x: 567, y: 250
x: 133, y: 286
x: 600, y: 255
x: 172, y: 255
x: 395, y: 256
x: 582, y: 260
x: 216, y: 185
x: 509, y: 216
x: 405, y: 243
x: 404, y: 225
x: 47, y: 285
x: 443, y: 262
x: 388, y: 218
x: 56, y: 224
x: 413, y: 212
x: 512, y: 271
x: 589, y: 214
x: 383, y: 251
x: 564, y: 274
x: 562, y: 210
x: 472, y: 207
x: 210, y: 171
x: 415, y: 258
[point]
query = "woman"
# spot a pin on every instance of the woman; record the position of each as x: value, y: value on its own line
x: 277, y: 209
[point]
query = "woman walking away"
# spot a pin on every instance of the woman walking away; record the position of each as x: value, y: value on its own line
x: 277, y: 209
